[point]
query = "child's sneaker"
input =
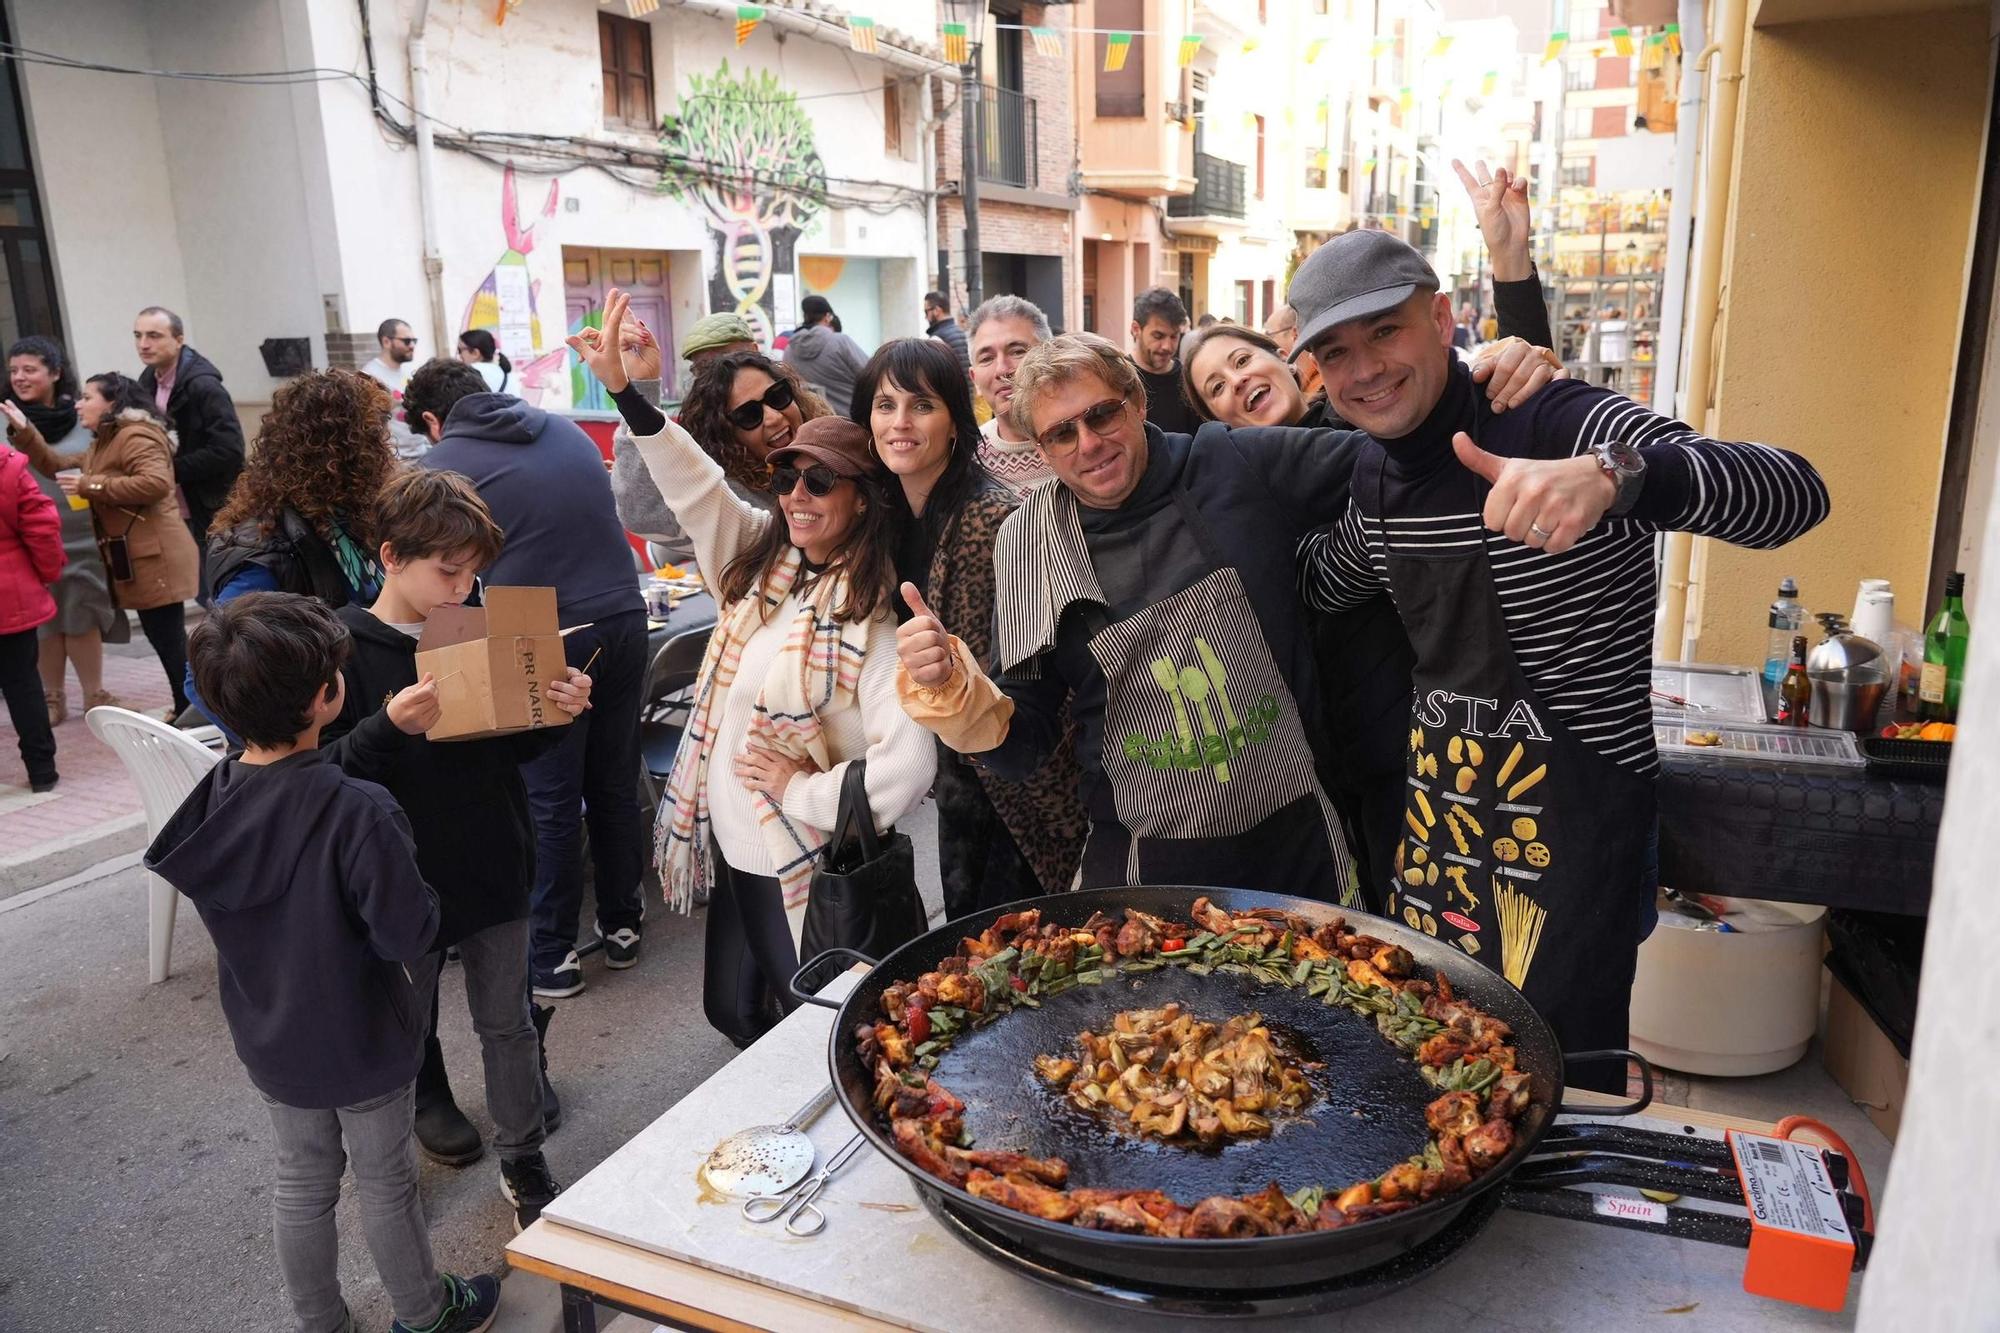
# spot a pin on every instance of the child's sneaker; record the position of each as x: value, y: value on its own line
x: 526, y: 1183
x: 469, y: 1306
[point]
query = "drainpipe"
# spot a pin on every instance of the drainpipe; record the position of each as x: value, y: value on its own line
x: 1680, y: 218
x: 420, y: 106
x: 927, y: 133
x: 1680, y: 606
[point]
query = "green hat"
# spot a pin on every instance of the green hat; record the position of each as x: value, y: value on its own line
x: 717, y: 330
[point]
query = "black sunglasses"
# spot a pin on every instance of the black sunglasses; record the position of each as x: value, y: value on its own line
x: 745, y: 416
x: 819, y: 479
x: 1062, y: 436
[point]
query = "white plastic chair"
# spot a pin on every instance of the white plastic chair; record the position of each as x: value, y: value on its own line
x: 165, y: 764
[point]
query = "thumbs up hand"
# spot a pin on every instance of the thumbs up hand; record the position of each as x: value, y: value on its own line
x: 922, y: 644
x: 1544, y: 503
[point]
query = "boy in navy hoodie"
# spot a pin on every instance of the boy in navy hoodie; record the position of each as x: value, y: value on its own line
x: 307, y: 880
x: 467, y: 807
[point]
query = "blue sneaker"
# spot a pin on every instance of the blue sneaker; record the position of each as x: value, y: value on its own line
x: 469, y: 1307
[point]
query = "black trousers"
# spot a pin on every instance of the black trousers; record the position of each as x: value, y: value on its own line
x: 166, y: 629
x: 27, y: 706
x: 747, y: 955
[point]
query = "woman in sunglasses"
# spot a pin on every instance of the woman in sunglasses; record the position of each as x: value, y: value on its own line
x: 740, y: 408
x: 799, y: 680
x: 998, y: 840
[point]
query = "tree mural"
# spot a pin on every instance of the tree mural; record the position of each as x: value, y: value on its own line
x: 743, y: 151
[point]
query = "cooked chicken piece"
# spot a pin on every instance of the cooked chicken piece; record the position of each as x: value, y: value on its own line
x: 1272, y: 1202
x: 1452, y: 1176
x: 1304, y: 948
x: 1404, y: 1180
x: 953, y: 964
x: 1208, y: 916
x: 1454, y: 1113
x: 927, y: 986
x: 1451, y: 1013
x: 1055, y: 1071
x: 1013, y: 923
x: 1019, y: 1166
x: 1356, y: 1196
x: 964, y: 990
x: 1488, y: 1144
x: 1509, y: 1096
x: 1392, y: 960
x: 1224, y: 1218
x: 1119, y: 1216
x: 914, y: 1142
x: 893, y: 999
x: 893, y: 1045
x: 1359, y: 946
x: 1022, y: 1196
x: 1136, y: 937
x: 1328, y: 936
x: 1499, y: 1055
x: 1329, y: 1217
x: 1444, y: 1048
x: 1368, y: 1211
x: 981, y: 948
x: 1488, y: 1030
x: 1363, y: 973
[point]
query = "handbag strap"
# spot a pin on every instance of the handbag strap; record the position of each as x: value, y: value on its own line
x: 855, y: 819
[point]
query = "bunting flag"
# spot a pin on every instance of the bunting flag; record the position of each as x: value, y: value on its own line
x: 1189, y: 45
x: 1117, y: 46
x: 1313, y: 48
x: 1442, y: 45
x: 639, y: 8
x: 1320, y: 112
x: 1249, y: 46
x: 1048, y: 42
x: 1320, y: 158
x: 1444, y: 89
x: 747, y: 19
x: 1406, y: 98
x: 1674, y: 38
x: 1557, y: 41
x: 861, y: 35
x: 1382, y: 47
x: 957, y: 51
x: 1621, y: 41
x: 1488, y: 82
x: 1368, y: 166
x: 1654, y: 54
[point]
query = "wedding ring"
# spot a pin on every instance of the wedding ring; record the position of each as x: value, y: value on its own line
x: 1537, y: 530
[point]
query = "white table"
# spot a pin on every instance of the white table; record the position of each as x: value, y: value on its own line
x: 637, y: 1233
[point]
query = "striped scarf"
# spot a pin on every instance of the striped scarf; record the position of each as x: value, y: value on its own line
x: 815, y: 673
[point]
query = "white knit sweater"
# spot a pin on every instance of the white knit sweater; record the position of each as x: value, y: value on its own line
x: 902, y: 759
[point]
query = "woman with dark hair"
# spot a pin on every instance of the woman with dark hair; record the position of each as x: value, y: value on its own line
x: 997, y: 840
x: 741, y: 408
x: 477, y: 348
x: 127, y: 477
x: 42, y: 383
x: 798, y: 681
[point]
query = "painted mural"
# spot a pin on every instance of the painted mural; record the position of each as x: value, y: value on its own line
x: 507, y: 301
x: 742, y: 150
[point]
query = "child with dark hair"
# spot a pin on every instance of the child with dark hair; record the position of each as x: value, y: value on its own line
x: 308, y: 882
x: 468, y: 810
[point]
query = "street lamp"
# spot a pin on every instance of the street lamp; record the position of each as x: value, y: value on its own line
x: 968, y: 152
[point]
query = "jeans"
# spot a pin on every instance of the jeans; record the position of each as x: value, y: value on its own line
x: 27, y: 706
x: 166, y: 629
x: 496, y: 993
x: 382, y: 1147
x: 592, y: 774
x: 747, y: 954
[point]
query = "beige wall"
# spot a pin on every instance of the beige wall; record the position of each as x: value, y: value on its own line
x: 1857, y: 172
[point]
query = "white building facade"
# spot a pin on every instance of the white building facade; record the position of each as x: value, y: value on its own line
x: 573, y: 147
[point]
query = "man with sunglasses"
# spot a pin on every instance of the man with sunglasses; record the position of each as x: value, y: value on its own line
x: 1153, y: 587
x: 391, y: 370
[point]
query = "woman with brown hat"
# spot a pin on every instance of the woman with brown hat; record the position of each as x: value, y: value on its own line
x: 127, y: 477
x: 798, y: 681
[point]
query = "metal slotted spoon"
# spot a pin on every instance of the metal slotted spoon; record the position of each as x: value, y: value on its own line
x: 766, y: 1159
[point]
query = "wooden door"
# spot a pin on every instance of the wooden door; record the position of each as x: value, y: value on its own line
x: 587, y: 275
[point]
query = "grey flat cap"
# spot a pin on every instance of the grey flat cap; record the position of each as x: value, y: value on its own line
x: 1352, y: 276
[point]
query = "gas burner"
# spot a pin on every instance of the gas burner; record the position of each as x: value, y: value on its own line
x: 1338, y: 1293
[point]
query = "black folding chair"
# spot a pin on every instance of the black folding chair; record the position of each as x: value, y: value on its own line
x: 664, y: 714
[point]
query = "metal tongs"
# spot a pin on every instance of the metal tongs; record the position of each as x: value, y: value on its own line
x: 802, y: 1216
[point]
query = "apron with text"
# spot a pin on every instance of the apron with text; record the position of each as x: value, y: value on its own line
x: 1202, y: 738
x: 1520, y: 845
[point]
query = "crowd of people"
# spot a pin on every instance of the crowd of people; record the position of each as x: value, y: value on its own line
x: 1292, y: 608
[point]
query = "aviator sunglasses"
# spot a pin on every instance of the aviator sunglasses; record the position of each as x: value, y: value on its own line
x: 745, y: 416
x: 1062, y: 436
x: 819, y: 479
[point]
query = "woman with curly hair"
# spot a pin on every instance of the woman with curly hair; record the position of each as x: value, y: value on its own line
x: 301, y: 516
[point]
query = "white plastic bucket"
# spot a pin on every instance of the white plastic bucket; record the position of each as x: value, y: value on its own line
x: 1730, y: 1003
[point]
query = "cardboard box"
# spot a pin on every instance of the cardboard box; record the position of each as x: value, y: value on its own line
x: 493, y: 664
x: 1863, y: 1061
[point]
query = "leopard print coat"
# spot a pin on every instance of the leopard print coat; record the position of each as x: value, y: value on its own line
x: 1045, y: 813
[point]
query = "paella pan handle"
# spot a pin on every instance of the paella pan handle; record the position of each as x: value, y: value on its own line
x: 1638, y: 1104
x: 805, y: 982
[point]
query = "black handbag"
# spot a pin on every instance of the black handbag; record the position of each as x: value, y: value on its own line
x: 864, y: 892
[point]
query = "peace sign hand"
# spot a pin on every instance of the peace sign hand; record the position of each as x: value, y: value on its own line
x: 1500, y: 199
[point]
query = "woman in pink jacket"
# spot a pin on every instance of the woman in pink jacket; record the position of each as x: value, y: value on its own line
x: 31, y: 555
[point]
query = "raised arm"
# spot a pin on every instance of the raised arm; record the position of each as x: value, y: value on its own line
x: 1500, y: 200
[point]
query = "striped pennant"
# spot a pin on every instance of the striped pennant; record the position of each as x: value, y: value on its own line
x: 1117, y: 46
x: 1558, y: 40
x: 1313, y: 48
x: 1048, y: 42
x: 1489, y: 82
x: 957, y: 50
x: 747, y: 19
x: 1382, y: 47
x: 860, y: 35
x: 1406, y: 98
x: 640, y: 8
x: 1442, y: 44
x: 1674, y: 38
x: 1621, y: 40
x: 1189, y: 45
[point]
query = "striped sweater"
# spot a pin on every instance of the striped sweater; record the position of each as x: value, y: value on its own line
x: 1581, y: 623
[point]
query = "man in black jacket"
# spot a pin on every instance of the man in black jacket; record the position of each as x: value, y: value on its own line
x: 1158, y: 322
x: 188, y: 390
x: 940, y: 325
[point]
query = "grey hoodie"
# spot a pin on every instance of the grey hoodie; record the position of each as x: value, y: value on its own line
x: 828, y: 361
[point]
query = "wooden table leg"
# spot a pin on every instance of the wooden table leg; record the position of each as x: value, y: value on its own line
x: 579, y: 1311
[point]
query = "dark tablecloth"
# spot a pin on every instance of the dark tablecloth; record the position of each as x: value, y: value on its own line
x: 691, y: 613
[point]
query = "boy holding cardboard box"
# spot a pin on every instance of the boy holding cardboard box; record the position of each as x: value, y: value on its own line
x: 465, y: 799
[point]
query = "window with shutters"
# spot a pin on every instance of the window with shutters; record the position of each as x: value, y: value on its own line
x: 1121, y: 92
x: 892, y: 119
x: 1260, y: 157
x: 625, y: 51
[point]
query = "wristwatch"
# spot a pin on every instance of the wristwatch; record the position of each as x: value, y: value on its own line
x: 1626, y: 466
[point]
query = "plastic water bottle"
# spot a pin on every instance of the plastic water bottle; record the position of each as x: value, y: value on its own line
x: 1788, y: 617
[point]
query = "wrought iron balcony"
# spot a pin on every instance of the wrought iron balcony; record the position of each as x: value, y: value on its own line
x: 1218, y: 190
x: 1008, y: 147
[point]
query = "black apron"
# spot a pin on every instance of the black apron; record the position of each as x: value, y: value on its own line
x: 1203, y: 746
x: 1520, y: 845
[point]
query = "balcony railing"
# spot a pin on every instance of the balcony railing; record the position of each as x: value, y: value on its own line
x: 1218, y: 190
x: 1009, y: 150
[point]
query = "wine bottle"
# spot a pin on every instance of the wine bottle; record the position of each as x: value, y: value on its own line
x: 1795, y: 691
x: 1944, y: 655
